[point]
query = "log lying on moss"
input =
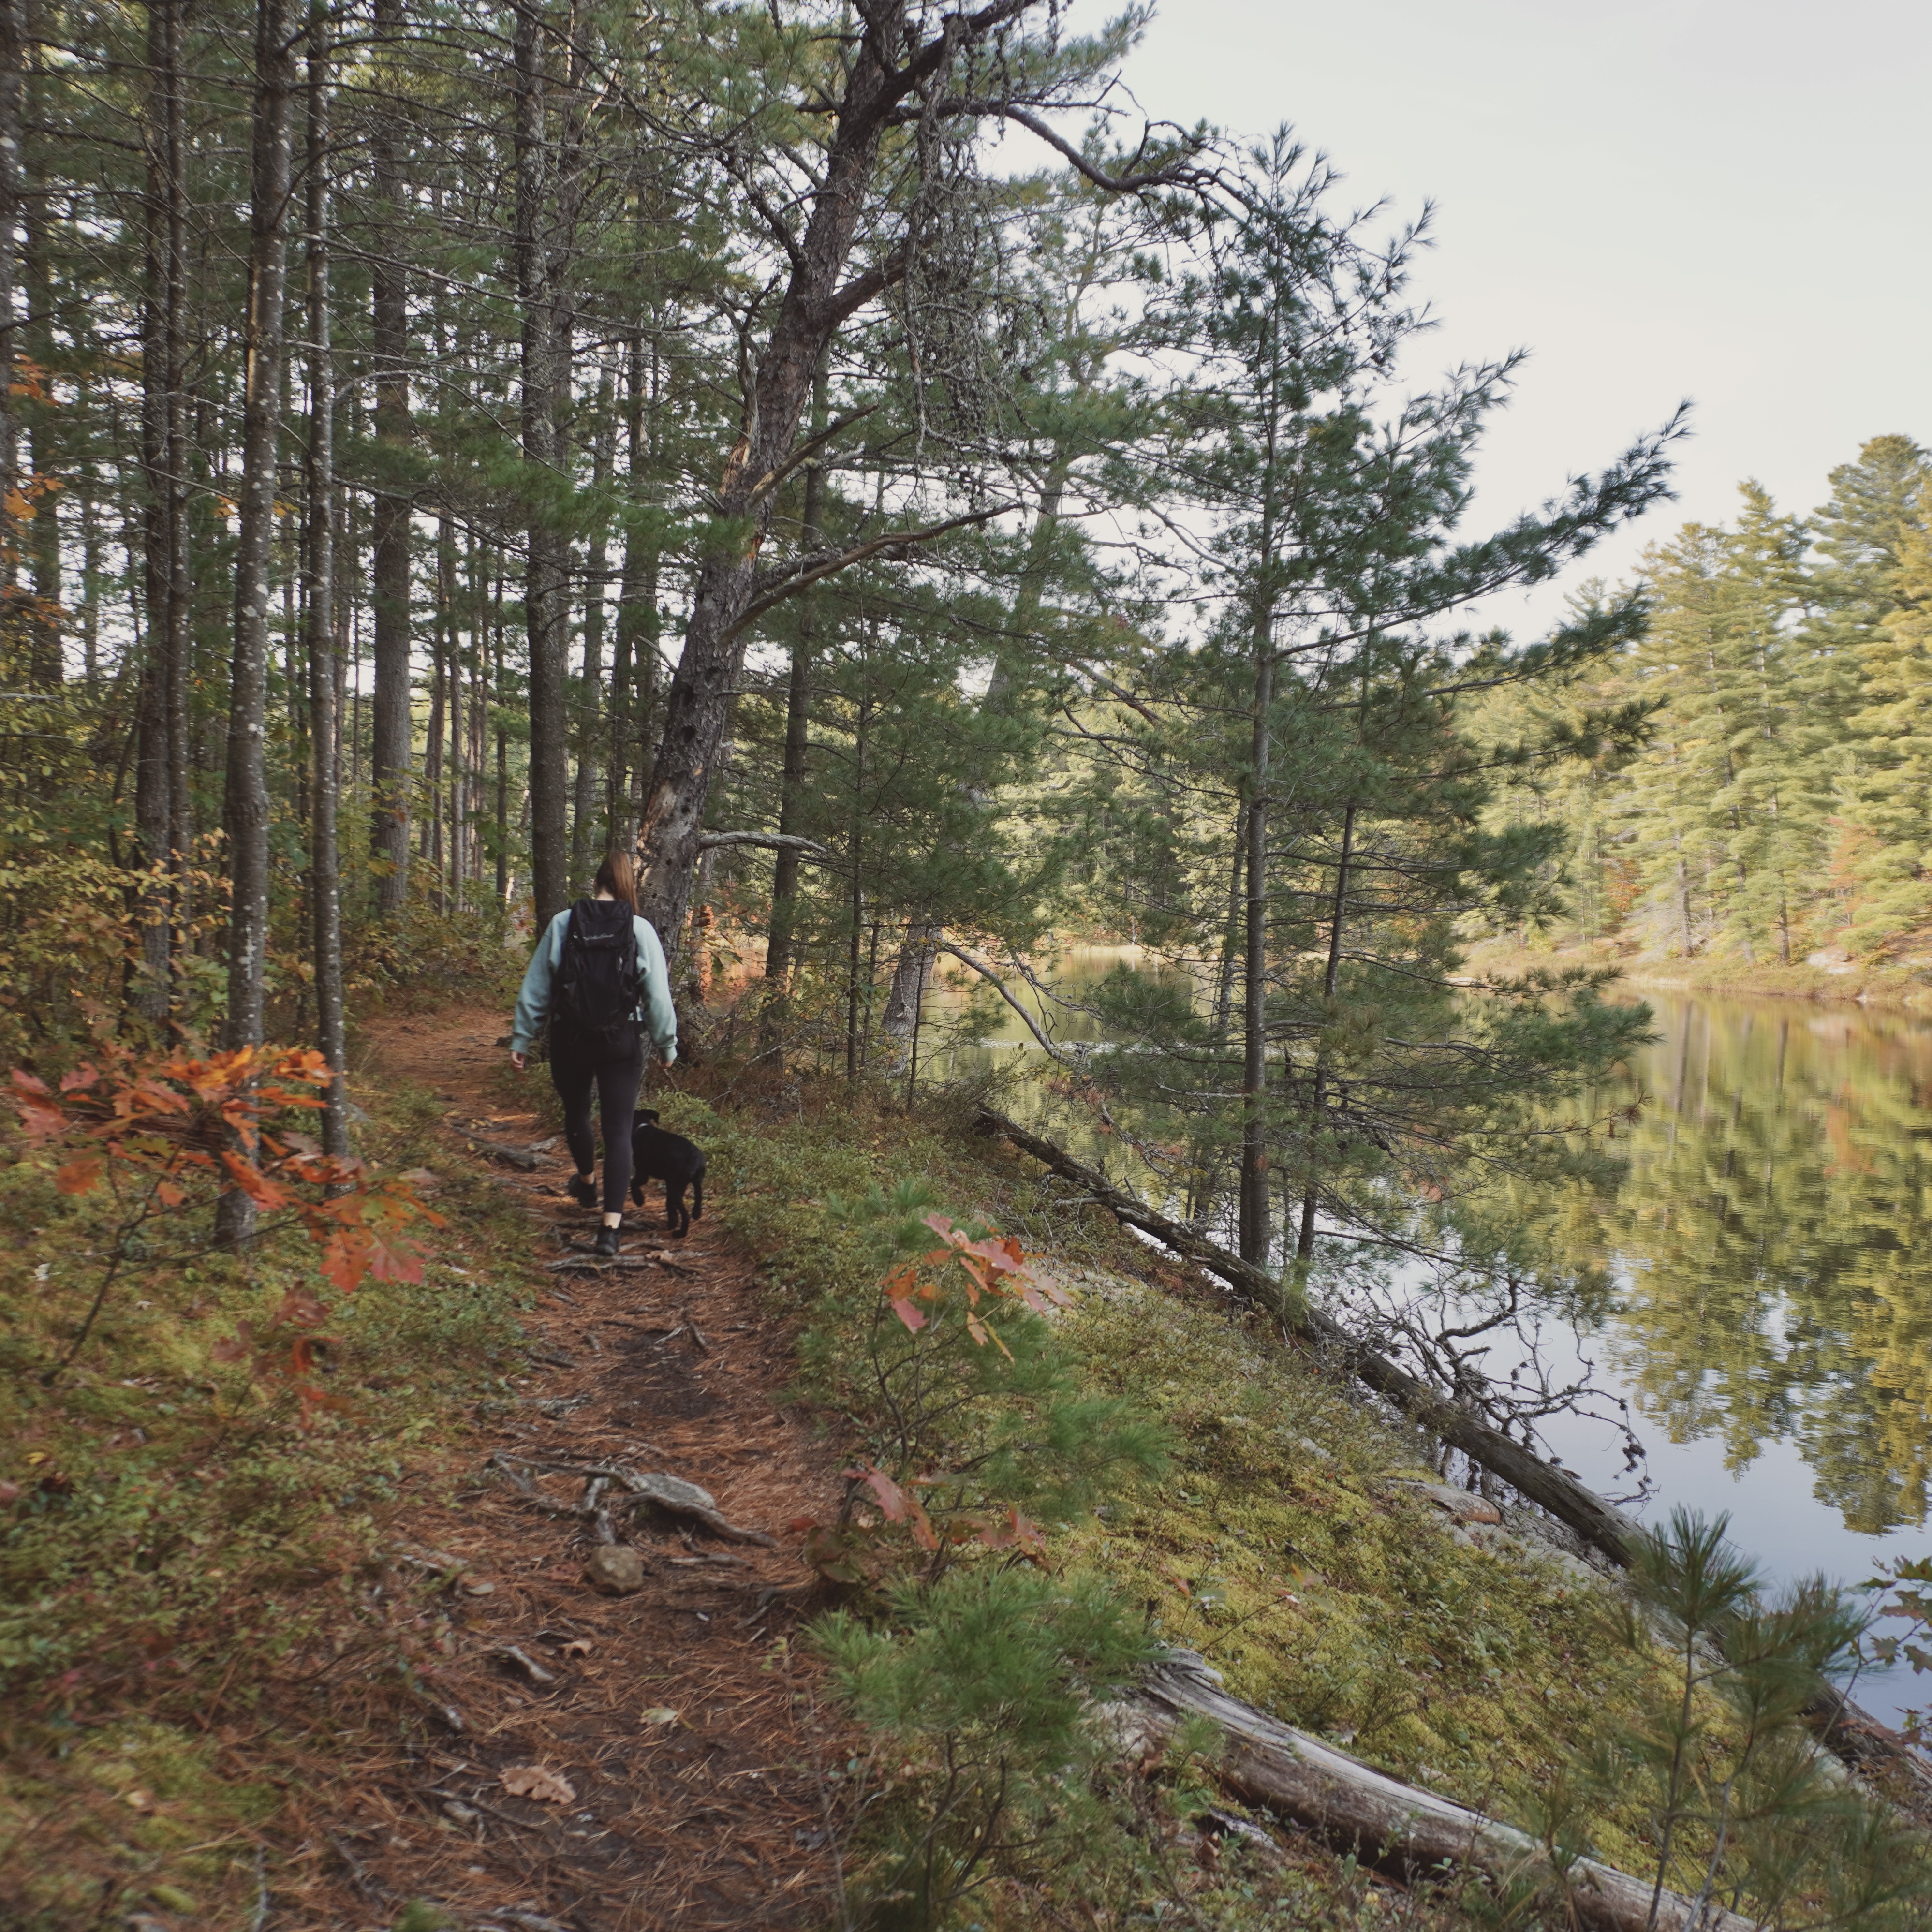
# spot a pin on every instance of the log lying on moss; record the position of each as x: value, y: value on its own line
x: 1852, y: 1735
x: 1384, y: 1821
x: 1598, y: 1523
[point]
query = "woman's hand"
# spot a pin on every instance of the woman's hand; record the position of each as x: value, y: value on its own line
x: 517, y: 1059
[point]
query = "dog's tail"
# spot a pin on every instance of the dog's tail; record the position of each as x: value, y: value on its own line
x: 697, y: 1199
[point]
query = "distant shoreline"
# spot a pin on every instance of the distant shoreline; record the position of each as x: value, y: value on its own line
x: 1902, y: 989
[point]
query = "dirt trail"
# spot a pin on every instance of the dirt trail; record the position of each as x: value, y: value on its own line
x: 691, y: 1752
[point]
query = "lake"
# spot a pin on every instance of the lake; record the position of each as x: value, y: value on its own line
x: 1772, y: 1247
x: 1770, y: 1252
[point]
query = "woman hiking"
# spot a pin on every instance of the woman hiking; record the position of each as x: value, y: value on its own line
x: 598, y: 972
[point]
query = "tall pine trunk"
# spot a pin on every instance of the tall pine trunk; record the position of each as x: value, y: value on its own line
x: 390, y: 754
x: 154, y: 771
x: 544, y: 580
x: 1254, y: 1182
x: 319, y: 597
x: 1338, y: 914
x: 798, y: 719
x: 247, y: 782
x: 586, y: 834
x: 177, y: 613
x: 13, y: 137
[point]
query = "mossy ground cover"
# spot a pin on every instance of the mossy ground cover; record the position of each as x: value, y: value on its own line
x: 186, y: 1632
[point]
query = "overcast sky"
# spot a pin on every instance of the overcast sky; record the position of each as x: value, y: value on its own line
x: 1724, y: 202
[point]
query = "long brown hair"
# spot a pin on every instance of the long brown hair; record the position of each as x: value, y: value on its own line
x: 618, y: 876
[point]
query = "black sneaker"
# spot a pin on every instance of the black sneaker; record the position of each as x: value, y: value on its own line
x: 606, y: 1242
x: 583, y: 1190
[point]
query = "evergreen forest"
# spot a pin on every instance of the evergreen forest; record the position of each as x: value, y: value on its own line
x: 1776, y: 808
x: 946, y: 525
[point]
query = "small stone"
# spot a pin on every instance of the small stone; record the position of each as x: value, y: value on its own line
x: 616, y: 1569
x: 1463, y: 1504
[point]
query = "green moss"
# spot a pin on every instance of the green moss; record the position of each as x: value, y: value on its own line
x: 144, y: 1817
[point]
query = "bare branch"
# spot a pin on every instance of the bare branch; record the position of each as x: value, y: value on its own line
x: 777, y: 841
x: 814, y: 569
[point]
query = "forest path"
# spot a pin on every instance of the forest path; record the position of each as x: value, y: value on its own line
x: 714, y: 1817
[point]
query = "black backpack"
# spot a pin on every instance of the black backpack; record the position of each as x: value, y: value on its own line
x: 602, y: 979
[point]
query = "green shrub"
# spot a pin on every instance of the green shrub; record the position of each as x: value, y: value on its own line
x: 984, y: 1680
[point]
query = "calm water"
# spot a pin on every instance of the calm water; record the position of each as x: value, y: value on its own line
x: 1772, y: 1248
x: 1771, y: 1251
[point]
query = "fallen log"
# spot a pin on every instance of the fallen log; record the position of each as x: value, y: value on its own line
x: 523, y: 1159
x: 1381, y: 1820
x: 1853, y: 1735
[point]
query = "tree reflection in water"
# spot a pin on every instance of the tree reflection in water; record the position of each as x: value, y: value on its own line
x: 1773, y: 1241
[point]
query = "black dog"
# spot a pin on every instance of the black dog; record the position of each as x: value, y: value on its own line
x: 656, y: 1155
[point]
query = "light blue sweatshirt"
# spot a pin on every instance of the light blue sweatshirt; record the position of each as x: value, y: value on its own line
x: 533, y: 1002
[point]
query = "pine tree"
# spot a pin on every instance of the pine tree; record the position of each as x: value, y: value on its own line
x: 1891, y: 792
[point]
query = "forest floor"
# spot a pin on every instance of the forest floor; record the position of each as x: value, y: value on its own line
x: 676, y: 1715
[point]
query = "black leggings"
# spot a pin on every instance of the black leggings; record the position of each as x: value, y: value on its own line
x: 617, y: 1078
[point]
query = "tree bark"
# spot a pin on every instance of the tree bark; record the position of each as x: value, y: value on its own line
x: 154, y: 799
x: 1254, y: 1187
x: 1304, y: 1245
x: 12, y: 65
x: 544, y: 582
x: 319, y: 599
x: 247, y: 787
x: 798, y: 718
x: 169, y: 190
x: 587, y: 836
x: 390, y: 753
x: 46, y: 625
x: 445, y: 567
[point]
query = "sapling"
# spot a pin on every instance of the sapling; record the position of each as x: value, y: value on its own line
x: 1740, y: 1807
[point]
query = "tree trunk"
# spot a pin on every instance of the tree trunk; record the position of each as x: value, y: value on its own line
x: 171, y: 192
x: 47, y: 624
x: 502, y: 753
x: 812, y: 310
x: 1254, y: 1187
x: 798, y: 709
x: 247, y: 786
x: 544, y: 583
x: 151, y: 823
x: 390, y: 754
x: 12, y: 135
x: 445, y: 567
x: 586, y: 835
x: 1599, y: 1523
x: 320, y: 593
x: 154, y: 802
x: 1304, y: 1246
x: 430, y: 849
x: 1231, y: 942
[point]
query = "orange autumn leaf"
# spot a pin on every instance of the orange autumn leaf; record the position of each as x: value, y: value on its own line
x: 81, y: 1176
